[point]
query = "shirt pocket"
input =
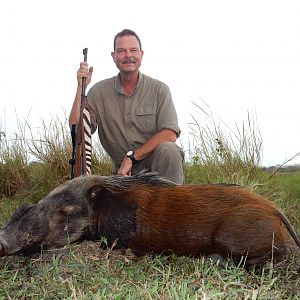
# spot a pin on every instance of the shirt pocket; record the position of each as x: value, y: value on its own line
x: 146, y: 119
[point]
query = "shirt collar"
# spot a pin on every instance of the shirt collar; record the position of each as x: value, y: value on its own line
x: 118, y: 86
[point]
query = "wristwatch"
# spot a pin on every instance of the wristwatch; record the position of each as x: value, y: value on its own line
x: 130, y: 154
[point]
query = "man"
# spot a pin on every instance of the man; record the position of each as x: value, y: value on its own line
x: 135, y: 115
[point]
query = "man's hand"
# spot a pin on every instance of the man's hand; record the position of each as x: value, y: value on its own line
x: 126, y: 167
x: 84, y: 72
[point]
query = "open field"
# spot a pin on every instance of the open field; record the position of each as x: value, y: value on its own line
x: 89, y: 270
x: 85, y: 271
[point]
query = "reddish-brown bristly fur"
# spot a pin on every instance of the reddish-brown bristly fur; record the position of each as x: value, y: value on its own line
x: 205, y: 219
x: 150, y: 214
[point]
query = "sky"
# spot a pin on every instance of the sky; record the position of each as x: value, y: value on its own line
x: 233, y: 58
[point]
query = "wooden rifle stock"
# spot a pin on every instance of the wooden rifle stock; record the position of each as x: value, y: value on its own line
x: 81, y: 136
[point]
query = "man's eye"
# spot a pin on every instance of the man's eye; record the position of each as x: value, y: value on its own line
x: 132, y: 50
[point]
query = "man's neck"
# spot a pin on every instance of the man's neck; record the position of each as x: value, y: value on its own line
x: 129, y: 81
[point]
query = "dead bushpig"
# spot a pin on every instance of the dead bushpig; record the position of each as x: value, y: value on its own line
x: 151, y: 215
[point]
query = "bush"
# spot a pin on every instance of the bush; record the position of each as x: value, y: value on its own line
x: 218, y: 155
x: 35, y: 162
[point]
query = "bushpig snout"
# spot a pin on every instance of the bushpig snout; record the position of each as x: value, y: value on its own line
x: 22, y: 231
x: 56, y: 220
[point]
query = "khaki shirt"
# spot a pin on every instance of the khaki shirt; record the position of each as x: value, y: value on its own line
x: 126, y: 122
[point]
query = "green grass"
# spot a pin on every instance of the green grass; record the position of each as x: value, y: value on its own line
x: 88, y: 271
x: 290, y: 182
x: 290, y: 200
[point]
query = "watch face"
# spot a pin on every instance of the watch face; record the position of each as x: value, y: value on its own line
x: 129, y: 153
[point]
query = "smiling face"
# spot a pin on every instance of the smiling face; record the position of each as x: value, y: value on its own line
x: 127, y: 55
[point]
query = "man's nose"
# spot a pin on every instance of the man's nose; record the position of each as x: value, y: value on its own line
x: 128, y: 52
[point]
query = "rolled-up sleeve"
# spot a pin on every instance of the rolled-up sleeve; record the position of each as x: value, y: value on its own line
x: 166, y: 113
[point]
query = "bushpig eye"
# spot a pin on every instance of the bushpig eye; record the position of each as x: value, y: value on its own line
x: 71, y: 210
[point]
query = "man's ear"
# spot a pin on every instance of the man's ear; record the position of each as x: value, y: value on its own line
x: 113, y: 55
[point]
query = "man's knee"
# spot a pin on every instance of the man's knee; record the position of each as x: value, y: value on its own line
x: 168, y: 162
x: 169, y: 150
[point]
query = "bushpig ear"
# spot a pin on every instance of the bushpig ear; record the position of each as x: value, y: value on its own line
x: 98, y: 191
x: 22, y: 210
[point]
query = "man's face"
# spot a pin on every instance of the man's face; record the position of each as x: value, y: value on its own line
x: 127, y: 55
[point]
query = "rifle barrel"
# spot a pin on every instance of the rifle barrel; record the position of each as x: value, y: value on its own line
x: 79, y: 153
x: 85, y: 52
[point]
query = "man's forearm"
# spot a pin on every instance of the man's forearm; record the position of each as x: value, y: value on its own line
x: 75, y: 111
x: 165, y: 135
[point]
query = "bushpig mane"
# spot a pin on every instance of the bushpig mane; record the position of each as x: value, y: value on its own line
x: 118, y: 183
x: 140, y: 178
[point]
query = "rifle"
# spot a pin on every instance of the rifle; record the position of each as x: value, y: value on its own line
x: 81, y: 136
